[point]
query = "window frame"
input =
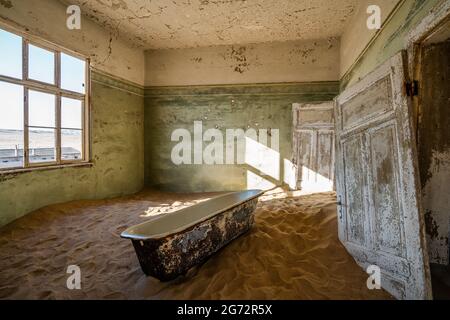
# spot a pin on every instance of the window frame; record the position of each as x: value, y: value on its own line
x: 55, y: 89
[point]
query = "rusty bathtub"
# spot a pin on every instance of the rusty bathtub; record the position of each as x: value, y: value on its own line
x: 169, y: 245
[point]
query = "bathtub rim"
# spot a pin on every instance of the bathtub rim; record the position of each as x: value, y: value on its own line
x: 139, y: 237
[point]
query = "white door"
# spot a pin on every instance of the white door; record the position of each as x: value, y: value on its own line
x: 377, y: 181
x: 314, y: 146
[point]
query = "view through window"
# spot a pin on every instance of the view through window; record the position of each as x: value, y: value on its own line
x: 42, y: 104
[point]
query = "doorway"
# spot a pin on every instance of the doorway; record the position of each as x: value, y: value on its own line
x: 433, y: 144
x: 313, y: 146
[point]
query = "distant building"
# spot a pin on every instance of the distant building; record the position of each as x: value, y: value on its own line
x: 11, y: 158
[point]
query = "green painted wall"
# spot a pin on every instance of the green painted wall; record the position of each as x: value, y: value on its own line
x: 119, y: 141
x: 391, y: 38
x: 117, y: 156
x: 222, y: 107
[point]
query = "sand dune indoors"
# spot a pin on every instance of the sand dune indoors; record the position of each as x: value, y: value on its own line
x: 291, y: 253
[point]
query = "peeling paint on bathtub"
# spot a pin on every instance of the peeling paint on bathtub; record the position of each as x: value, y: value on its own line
x: 173, y: 255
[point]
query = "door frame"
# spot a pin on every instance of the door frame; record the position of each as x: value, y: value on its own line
x: 432, y: 24
x: 416, y: 37
x: 296, y: 129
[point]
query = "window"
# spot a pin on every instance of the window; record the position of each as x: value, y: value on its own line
x: 43, y: 104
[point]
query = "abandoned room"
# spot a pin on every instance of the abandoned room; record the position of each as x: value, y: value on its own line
x: 249, y: 149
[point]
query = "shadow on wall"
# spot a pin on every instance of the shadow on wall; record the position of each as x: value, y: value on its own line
x: 224, y: 161
x: 225, y: 107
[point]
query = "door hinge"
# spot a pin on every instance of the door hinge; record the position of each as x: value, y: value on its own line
x: 412, y: 88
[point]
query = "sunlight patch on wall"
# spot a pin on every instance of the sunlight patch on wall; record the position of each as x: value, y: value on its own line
x: 262, y: 158
x: 313, y: 182
x: 254, y: 181
x: 289, y: 174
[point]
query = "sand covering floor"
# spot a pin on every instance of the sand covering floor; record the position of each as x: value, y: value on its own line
x: 291, y: 253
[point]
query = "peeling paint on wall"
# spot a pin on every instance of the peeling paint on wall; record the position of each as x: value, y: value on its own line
x: 117, y: 156
x: 106, y: 49
x: 6, y: 3
x: 431, y: 226
x: 197, y: 59
x: 437, y: 205
x: 291, y: 61
x: 356, y: 35
x: 434, y: 148
x: 389, y: 41
x: 222, y: 107
x: 237, y: 55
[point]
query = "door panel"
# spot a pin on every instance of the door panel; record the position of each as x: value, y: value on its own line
x: 377, y: 181
x: 384, y: 171
x: 314, y: 146
x: 374, y: 101
x: 305, y: 146
x: 356, y: 221
x: 325, y: 155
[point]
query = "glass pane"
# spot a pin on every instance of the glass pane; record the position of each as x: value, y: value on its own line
x: 41, y: 109
x: 71, y: 113
x: 41, y: 64
x: 10, y: 55
x: 72, y: 73
x: 71, y: 145
x: 42, y: 145
x: 11, y: 125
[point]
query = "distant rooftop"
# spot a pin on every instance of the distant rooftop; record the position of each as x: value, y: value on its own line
x: 38, y: 152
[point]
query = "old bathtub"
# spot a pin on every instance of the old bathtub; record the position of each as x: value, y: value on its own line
x: 169, y: 245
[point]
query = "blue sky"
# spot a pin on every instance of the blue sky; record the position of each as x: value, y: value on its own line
x: 41, y: 67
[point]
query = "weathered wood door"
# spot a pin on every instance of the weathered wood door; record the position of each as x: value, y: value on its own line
x: 314, y: 146
x: 377, y: 181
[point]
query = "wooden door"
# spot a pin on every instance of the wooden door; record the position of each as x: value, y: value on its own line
x: 314, y: 146
x: 377, y: 181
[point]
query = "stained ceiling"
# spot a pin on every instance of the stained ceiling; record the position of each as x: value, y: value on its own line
x: 160, y: 24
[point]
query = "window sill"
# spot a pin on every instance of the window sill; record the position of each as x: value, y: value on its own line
x: 43, y: 168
